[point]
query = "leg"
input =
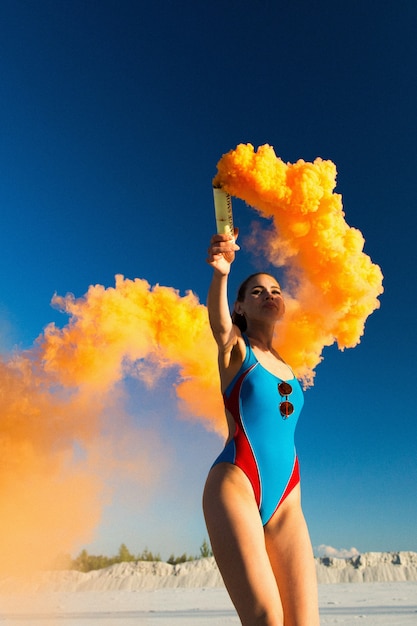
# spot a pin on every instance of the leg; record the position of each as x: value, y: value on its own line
x: 291, y: 556
x: 238, y: 542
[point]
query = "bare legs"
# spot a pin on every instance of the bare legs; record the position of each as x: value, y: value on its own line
x: 291, y: 556
x: 238, y: 543
x: 254, y: 561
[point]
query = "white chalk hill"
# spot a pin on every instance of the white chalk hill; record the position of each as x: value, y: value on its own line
x: 132, y: 576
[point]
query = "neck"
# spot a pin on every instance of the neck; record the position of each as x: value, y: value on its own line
x: 262, y: 335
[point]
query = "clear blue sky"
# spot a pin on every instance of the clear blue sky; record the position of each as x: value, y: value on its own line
x: 113, y: 117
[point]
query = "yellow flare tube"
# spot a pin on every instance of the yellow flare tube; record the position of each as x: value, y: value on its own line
x: 223, y: 210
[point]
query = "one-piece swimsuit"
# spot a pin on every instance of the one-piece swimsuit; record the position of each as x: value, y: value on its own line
x: 263, y: 442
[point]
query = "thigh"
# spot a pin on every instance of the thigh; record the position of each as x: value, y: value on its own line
x: 291, y: 555
x: 238, y: 542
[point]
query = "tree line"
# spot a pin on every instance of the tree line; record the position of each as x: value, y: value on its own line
x: 86, y: 562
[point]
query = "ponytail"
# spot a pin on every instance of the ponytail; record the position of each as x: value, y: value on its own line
x: 239, y: 321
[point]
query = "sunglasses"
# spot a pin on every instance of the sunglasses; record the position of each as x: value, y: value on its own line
x: 286, y: 407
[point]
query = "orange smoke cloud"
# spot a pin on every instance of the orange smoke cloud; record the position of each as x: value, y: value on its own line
x: 64, y: 432
x: 62, y: 429
x: 44, y: 494
x: 134, y: 329
x: 333, y: 285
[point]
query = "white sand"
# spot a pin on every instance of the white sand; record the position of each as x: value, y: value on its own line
x: 192, y: 594
x: 373, y: 604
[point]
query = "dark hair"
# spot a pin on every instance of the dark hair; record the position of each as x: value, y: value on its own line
x: 238, y: 319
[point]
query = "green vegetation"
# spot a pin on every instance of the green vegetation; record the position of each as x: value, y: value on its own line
x: 85, y: 562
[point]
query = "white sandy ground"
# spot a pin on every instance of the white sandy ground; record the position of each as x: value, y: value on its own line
x: 368, y: 604
x: 374, y: 589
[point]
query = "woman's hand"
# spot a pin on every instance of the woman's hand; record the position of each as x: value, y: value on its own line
x: 221, y: 252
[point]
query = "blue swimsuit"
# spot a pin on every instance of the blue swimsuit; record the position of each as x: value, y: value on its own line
x: 263, y: 442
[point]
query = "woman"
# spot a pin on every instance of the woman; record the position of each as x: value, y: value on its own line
x: 251, y: 498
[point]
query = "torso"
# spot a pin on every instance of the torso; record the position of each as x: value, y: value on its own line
x: 261, y: 441
x: 272, y: 362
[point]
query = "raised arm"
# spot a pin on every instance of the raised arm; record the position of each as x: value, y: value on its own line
x: 217, y: 301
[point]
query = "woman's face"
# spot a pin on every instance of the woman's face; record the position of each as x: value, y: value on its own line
x: 263, y: 299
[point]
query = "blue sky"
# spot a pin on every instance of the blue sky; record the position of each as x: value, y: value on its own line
x: 114, y: 115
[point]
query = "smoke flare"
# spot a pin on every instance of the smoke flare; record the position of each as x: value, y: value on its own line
x: 64, y: 430
x: 333, y: 285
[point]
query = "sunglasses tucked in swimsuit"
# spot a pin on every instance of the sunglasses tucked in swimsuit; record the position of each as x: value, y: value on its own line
x: 265, y: 410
